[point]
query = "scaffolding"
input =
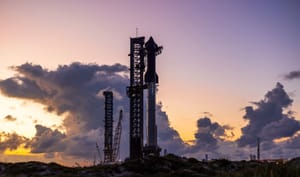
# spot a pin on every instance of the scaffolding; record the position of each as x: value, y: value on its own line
x: 135, y: 94
x: 108, y: 125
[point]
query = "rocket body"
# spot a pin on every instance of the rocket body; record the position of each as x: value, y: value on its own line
x: 151, y: 80
x: 152, y: 50
x: 151, y: 121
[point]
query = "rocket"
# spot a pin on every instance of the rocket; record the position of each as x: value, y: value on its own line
x: 151, y: 79
x: 152, y: 50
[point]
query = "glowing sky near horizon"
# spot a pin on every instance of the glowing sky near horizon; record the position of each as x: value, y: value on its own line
x: 218, y: 55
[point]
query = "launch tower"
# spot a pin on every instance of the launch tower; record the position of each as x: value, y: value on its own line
x: 135, y: 94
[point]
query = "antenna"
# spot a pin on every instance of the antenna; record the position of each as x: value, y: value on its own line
x: 136, y: 32
x: 258, y: 148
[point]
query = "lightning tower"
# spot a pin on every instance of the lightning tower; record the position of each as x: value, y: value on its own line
x: 108, y: 125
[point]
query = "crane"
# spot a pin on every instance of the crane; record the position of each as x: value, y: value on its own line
x: 117, y: 138
x: 116, y: 142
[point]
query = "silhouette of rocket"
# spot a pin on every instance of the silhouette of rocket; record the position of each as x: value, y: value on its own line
x: 152, y: 51
x: 151, y: 80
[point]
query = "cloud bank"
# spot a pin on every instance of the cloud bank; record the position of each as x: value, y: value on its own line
x: 292, y: 75
x: 268, y: 121
x: 11, y: 141
x: 75, y: 92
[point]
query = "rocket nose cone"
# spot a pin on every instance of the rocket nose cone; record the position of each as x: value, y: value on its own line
x: 150, y: 44
x: 151, y: 39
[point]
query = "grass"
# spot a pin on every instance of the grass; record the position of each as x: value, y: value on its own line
x: 167, y: 166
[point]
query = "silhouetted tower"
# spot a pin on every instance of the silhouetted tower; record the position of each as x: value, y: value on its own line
x: 151, y: 79
x: 258, y: 148
x: 117, y: 138
x: 135, y: 94
x: 108, y: 124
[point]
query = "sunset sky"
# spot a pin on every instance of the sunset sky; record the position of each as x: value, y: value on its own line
x: 218, y: 58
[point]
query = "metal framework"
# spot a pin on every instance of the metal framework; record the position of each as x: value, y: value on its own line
x: 108, y: 124
x: 117, y: 138
x: 135, y: 94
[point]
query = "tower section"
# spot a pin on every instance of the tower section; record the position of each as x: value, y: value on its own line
x: 135, y: 94
x: 108, y: 126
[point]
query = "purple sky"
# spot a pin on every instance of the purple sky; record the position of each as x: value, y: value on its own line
x: 218, y: 55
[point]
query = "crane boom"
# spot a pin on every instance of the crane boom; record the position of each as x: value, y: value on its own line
x: 117, y: 138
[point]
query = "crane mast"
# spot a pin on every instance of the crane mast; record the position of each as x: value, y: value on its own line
x: 117, y: 137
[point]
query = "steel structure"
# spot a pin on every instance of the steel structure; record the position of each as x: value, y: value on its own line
x: 108, y: 125
x: 117, y: 138
x: 135, y: 94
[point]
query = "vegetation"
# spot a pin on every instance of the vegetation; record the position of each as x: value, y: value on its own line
x: 167, y: 166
